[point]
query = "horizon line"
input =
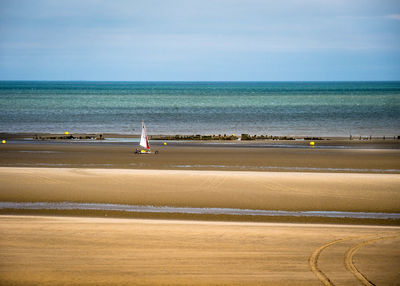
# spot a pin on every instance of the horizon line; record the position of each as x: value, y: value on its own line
x: 63, y: 80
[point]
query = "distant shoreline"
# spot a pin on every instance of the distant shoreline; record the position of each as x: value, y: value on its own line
x: 193, y: 137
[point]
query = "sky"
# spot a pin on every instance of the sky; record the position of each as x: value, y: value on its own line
x: 183, y: 40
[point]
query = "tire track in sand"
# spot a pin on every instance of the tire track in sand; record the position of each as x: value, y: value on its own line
x: 313, y: 261
x: 349, y: 263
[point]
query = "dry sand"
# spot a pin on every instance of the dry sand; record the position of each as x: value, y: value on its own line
x: 225, y: 189
x: 94, y: 251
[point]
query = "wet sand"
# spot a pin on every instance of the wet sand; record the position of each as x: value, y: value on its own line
x: 70, y: 206
x: 371, y: 158
x: 201, y: 189
x: 93, y: 251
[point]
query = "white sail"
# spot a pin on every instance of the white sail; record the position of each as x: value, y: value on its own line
x: 144, y: 142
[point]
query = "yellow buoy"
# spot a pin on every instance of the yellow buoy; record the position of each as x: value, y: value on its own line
x: 4, y: 141
x: 66, y: 132
x: 165, y: 143
x: 233, y: 134
x: 312, y: 143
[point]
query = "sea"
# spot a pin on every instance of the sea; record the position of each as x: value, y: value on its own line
x: 256, y: 108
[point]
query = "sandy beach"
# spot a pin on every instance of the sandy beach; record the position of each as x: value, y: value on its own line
x: 218, y: 189
x: 95, y: 251
x: 202, y: 175
x: 102, y: 246
x: 338, y: 156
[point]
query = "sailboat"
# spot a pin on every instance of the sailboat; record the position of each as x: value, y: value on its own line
x: 144, y: 142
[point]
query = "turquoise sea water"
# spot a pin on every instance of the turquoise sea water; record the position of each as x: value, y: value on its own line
x: 274, y: 108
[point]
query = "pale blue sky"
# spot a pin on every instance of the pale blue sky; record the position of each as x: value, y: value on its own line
x: 249, y: 40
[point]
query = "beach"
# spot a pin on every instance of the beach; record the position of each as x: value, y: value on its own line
x: 96, y: 251
x: 382, y: 156
x: 197, y: 215
x: 297, y: 191
x: 198, y: 143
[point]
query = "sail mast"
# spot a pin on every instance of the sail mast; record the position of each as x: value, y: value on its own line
x: 144, y: 142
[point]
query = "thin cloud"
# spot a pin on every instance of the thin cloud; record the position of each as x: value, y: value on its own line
x: 144, y: 39
x: 394, y: 17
